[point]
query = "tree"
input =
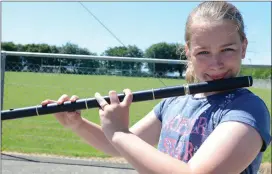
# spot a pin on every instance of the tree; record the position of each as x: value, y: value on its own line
x: 165, y: 50
x: 13, y: 63
x: 87, y: 66
x: 34, y: 63
x: 50, y: 49
x: 79, y: 65
x: 126, y: 68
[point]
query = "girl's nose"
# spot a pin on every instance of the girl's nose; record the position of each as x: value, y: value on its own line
x: 216, y: 62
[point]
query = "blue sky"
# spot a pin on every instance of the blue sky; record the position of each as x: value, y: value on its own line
x: 134, y: 23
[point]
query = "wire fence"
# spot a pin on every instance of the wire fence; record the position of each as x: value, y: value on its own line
x: 28, y: 84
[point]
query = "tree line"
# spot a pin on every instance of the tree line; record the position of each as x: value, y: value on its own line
x: 160, y: 50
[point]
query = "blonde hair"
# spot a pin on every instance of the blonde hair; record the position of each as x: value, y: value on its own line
x: 212, y: 11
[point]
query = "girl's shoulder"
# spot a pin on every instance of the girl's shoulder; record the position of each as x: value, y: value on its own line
x: 244, y: 96
x: 250, y: 109
x: 168, y: 103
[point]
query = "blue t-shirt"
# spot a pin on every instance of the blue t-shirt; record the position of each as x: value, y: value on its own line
x: 188, y: 121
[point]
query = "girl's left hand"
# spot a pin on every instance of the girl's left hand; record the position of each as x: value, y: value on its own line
x: 114, y: 117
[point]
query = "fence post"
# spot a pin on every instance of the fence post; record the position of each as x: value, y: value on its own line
x: 154, y: 72
x: 3, y: 63
x: 122, y: 68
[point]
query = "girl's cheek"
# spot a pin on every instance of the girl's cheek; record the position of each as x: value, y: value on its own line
x: 200, y: 67
x: 202, y: 59
x: 229, y: 56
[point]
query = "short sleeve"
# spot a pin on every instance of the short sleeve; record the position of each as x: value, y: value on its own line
x: 160, y: 108
x: 251, y: 110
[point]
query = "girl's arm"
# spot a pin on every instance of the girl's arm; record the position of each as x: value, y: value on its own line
x: 229, y: 149
x: 147, y: 129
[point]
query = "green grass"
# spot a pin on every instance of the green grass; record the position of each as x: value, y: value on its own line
x: 44, y: 135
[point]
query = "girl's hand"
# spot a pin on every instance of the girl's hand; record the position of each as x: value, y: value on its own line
x: 71, y: 120
x: 114, y: 117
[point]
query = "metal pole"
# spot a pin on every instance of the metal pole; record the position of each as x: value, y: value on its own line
x: 3, y: 63
x: 2, y: 66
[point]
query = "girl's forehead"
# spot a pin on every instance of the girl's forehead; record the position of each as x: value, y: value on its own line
x: 220, y: 28
x: 214, y: 33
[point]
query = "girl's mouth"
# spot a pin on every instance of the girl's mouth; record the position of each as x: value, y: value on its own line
x: 218, y: 76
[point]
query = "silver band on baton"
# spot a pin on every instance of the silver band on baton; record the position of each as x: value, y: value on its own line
x: 153, y: 94
x: 186, y: 89
x: 86, y: 104
x: 37, y: 111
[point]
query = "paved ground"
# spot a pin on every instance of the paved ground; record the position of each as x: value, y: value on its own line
x: 21, y: 164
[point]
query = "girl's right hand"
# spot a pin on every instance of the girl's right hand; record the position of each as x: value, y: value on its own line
x: 71, y: 120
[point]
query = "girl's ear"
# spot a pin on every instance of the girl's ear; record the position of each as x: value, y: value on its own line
x: 244, y: 47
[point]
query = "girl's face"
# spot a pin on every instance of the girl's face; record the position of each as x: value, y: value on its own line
x: 215, y: 50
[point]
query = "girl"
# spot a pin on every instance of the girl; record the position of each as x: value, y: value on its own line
x: 218, y: 132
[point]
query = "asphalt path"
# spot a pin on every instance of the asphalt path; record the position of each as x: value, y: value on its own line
x: 25, y: 164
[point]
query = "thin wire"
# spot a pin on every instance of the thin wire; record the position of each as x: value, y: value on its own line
x: 103, y: 25
x: 108, y: 30
x: 160, y: 80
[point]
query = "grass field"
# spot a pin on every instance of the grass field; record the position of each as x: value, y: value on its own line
x: 44, y: 135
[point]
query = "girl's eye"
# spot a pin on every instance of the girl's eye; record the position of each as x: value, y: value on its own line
x: 203, y: 52
x: 228, y: 49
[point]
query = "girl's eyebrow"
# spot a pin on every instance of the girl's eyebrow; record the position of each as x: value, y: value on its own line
x: 224, y: 45
x: 229, y: 44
